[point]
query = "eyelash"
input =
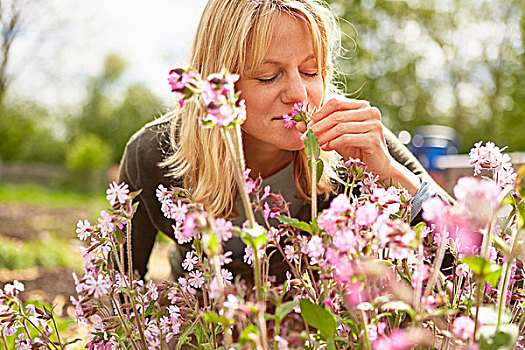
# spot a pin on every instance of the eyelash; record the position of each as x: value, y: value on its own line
x: 271, y: 80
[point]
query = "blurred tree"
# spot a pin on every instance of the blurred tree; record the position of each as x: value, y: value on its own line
x: 24, y: 136
x: 111, y: 119
x: 10, y: 22
x: 454, y: 62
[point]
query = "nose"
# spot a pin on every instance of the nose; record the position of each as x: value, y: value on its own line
x: 295, y: 89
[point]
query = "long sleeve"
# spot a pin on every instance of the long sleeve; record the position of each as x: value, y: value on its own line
x: 139, y: 169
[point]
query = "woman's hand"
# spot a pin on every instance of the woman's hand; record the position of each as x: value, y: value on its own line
x: 354, y: 129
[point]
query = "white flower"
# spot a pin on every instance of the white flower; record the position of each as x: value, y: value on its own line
x: 315, y: 247
x: 117, y: 193
x: 196, y: 279
x: 190, y: 261
x: 97, y: 287
x: 84, y: 229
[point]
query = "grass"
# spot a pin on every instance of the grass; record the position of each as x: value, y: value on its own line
x: 49, y: 253
x: 33, y: 194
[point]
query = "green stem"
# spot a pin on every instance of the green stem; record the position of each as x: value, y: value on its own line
x: 478, y: 303
x: 437, y: 265
x: 117, y: 307
x: 3, y: 338
x: 364, y: 322
x: 313, y: 163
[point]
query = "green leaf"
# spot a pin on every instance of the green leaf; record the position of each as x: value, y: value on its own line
x: 293, y: 222
x: 285, y: 308
x: 318, y: 317
x: 311, y: 145
x: 319, y: 169
x: 249, y: 335
x: 330, y: 345
x: 502, y: 339
x: 493, y: 275
x: 483, y: 268
x: 214, y: 318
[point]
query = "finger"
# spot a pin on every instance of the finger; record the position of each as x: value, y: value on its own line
x: 301, y: 126
x: 338, y: 104
x: 365, y: 142
x: 350, y: 128
x: 359, y: 115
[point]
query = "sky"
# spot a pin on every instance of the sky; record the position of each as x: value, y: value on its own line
x: 63, y: 42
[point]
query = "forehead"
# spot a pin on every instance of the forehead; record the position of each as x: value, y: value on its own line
x: 273, y: 35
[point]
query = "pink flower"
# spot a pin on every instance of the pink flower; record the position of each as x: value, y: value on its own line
x: 315, y: 248
x: 117, y: 193
x: 178, y: 211
x: 478, y: 198
x: 462, y: 270
x: 189, y: 261
x: 344, y: 240
x: 397, y: 340
x: 106, y: 224
x: 289, y: 252
x: 14, y: 289
x: 196, y: 279
x: 366, y: 214
x: 97, y: 287
x: 266, y: 192
x: 223, y: 229
x: 83, y: 230
x: 464, y: 327
x: 288, y: 121
x: 340, y: 204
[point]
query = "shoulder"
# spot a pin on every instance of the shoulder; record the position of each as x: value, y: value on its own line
x: 152, y: 138
x: 144, y: 151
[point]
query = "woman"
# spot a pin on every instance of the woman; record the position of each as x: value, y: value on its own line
x: 283, y: 51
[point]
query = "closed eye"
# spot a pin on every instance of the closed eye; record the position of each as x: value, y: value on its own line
x: 267, y: 81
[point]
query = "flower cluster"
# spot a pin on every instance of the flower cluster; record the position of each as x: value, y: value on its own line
x: 491, y: 157
x: 357, y: 276
x: 216, y: 95
x: 299, y: 113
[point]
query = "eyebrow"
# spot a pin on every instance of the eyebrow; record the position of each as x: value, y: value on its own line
x: 270, y: 61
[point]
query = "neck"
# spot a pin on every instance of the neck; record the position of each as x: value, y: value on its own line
x: 265, y: 163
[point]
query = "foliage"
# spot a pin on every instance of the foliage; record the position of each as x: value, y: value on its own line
x: 88, y: 152
x: 114, y: 119
x: 47, y: 253
x: 26, y: 134
x: 456, y: 63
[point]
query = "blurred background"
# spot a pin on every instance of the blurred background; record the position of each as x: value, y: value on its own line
x: 78, y: 78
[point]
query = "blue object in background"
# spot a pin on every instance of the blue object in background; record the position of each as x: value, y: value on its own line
x: 431, y: 141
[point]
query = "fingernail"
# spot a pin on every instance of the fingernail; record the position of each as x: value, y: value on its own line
x: 303, y: 136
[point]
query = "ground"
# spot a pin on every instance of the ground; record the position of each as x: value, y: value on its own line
x: 38, y: 247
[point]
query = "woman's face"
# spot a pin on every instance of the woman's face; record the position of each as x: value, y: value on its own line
x: 288, y: 75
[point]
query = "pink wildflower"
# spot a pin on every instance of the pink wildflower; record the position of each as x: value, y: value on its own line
x: 83, y: 230
x: 464, y: 327
x: 106, y: 224
x: 196, y: 279
x: 315, y: 247
x: 117, y: 193
x: 288, y: 121
x: 462, y: 270
x: 97, y: 287
x: 223, y: 229
x: 190, y: 261
x: 340, y: 204
x: 366, y: 214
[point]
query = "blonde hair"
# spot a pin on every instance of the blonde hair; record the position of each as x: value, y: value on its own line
x: 227, y: 29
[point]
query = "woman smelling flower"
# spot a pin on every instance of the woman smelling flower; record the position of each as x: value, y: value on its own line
x: 283, y: 52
